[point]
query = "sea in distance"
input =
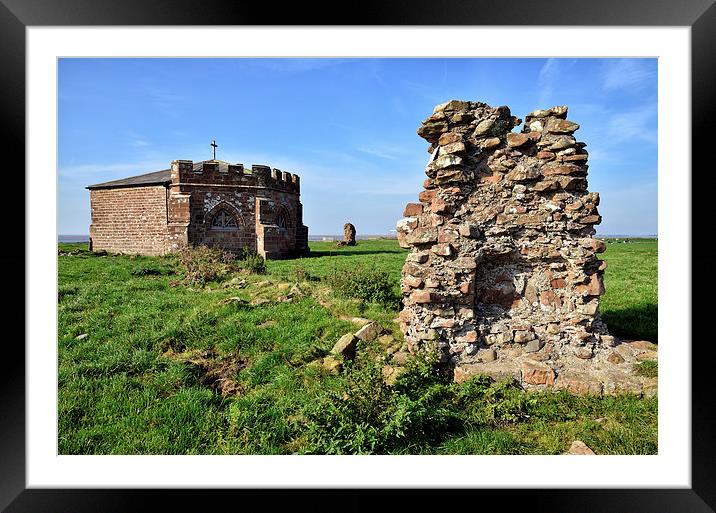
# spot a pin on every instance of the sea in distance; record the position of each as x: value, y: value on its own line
x: 85, y: 238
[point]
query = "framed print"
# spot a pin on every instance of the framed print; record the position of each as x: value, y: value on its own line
x: 197, y: 404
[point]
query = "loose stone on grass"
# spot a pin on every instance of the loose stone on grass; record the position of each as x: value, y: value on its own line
x: 369, y: 332
x: 346, y: 346
x: 332, y: 364
x: 360, y: 321
x: 579, y: 448
x: 391, y: 373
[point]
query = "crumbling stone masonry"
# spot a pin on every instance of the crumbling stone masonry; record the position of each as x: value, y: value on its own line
x: 503, y: 272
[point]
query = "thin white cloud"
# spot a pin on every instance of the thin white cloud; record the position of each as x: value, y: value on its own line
x: 288, y: 65
x: 627, y: 74
x: 636, y: 124
x: 386, y: 151
x: 378, y: 153
x: 548, y: 74
x: 106, y: 172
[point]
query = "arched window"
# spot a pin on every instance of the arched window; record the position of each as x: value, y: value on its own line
x: 281, y: 221
x: 223, y: 220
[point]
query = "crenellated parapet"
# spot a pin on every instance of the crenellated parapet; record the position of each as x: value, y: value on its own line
x: 217, y: 172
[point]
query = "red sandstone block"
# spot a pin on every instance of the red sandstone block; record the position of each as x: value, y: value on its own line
x: 413, y: 209
x: 421, y: 296
x: 536, y: 373
x: 426, y: 196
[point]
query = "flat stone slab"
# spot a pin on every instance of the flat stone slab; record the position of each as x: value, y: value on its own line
x: 346, y: 346
x: 369, y: 332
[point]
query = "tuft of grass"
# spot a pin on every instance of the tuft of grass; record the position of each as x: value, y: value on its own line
x: 648, y: 368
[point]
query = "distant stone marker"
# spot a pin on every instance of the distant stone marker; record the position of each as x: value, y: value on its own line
x: 349, y: 235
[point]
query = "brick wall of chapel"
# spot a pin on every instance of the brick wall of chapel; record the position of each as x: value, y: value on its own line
x: 129, y: 220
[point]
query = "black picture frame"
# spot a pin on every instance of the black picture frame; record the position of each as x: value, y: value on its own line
x: 16, y: 15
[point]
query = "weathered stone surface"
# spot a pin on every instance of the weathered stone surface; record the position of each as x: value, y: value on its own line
x: 643, y: 345
x: 647, y: 355
x: 534, y: 345
x: 449, y: 138
x: 561, y: 126
x: 349, y: 235
x: 391, y: 374
x: 413, y: 209
x: 386, y: 340
x: 456, y: 148
x: 536, y: 373
x: 442, y: 249
x: 561, y: 143
x: 469, y: 230
x: 523, y: 173
x: 515, y: 140
x: 445, y: 161
x: 487, y: 355
x: 503, y: 272
x: 524, y: 336
x: 564, y: 169
x: 579, y: 383
x: 422, y: 236
x: 332, y: 364
x: 615, y: 358
x: 580, y: 448
x: 369, y: 332
x: 439, y: 205
x: 484, y: 127
x: 346, y: 346
x: 491, y: 143
x: 422, y: 296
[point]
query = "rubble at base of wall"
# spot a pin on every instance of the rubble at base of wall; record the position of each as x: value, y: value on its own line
x: 503, y: 273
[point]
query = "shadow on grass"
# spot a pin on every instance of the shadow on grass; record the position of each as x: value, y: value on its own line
x: 634, y: 323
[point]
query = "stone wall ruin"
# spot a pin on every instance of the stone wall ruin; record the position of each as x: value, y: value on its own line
x: 503, y: 271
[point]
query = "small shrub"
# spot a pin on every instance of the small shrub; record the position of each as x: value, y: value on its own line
x: 370, y: 285
x: 366, y: 416
x: 493, y: 404
x: 202, y: 264
x: 251, y: 261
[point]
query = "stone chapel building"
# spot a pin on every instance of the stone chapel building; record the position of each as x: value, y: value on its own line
x: 210, y: 202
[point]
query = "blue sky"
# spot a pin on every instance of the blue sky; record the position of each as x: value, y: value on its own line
x: 346, y: 126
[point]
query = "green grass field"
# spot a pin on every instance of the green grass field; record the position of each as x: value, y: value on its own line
x: 220, y: 369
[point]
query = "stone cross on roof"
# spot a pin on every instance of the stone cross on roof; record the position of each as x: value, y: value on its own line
x: 214, y: 145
